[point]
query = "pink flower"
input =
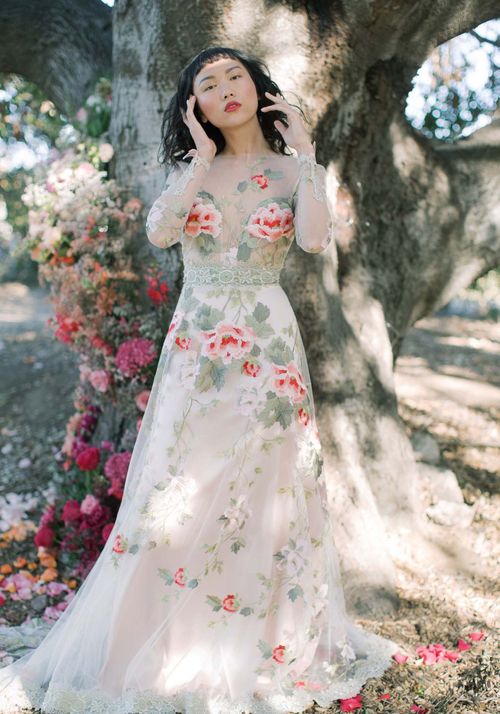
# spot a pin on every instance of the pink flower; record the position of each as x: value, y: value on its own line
x: 117, y: 465
x: 432, y: 654
x: 141, y: 399
x: 101, y: 380
x: 288, y: 382
x: 261, y: 180
x: 135, y: 354
x: 88, y: 504
x: 303, y: 416
x: 184, y: 343
x: 400, y: 658
x: 419, y: 710
x: 251, y: 368
x: 118, y: 545
x: 271, y: 222
x: 384, y: 697
x: 180, y: 577
x: 71, y: 511
x: 54, y: 588
x: 279, y: 654
x: 203, y: 218
x: 451, y: 655
x: 476, y: 636
x: 462, y: 645
x: 174, y: 324
x: 88, y: 459
x: 230, y: 603
x: 227, y: 341
x: 351, y: 704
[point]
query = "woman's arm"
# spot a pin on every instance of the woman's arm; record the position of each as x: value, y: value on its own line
x: 312, y: 213
x: 168, y: 214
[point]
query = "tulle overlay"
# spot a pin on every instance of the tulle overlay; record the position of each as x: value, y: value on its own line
x: 218, y: 589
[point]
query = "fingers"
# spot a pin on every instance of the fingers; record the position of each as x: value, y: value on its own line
x: 282, y: 105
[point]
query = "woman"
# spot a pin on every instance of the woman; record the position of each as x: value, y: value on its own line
x: 218, y: 589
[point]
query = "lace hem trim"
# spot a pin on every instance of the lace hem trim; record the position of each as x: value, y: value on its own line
x: 61, y: 700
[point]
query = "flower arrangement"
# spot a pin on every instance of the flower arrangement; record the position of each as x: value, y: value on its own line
x: 81, y: 230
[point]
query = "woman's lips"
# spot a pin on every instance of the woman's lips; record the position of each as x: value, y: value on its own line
x: 231, y: 107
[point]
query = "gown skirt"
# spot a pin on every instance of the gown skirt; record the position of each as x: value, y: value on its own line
x: 218, y: 590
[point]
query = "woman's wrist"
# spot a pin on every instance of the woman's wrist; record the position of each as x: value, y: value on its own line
x: 305, y: 148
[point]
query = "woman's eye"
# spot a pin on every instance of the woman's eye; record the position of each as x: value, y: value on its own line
x: 235, y: 75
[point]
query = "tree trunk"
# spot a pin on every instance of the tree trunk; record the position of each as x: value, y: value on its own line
x: 416, y: 220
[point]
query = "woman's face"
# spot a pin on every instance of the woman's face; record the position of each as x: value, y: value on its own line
x: 220, y: 82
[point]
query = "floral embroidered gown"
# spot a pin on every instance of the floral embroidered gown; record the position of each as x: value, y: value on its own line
x: 218, y: 589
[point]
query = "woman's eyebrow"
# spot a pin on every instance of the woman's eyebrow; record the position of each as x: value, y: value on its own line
x: 212, y: 76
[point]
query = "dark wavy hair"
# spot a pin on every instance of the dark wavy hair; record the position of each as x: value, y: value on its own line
x: 176, y: 139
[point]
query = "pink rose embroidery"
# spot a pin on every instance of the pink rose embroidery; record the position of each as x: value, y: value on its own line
x: 183, y: 343
x: 180, y: 577
x: 230, y: 603
x: 289, y: 383
x: 271, y: 222
x: 203, y: 218
x: 279, y: 654
x: 118, y: 546
x: 174, y: 324
x: 261, y: 180
x: 251, y: 368
x: 227, y: 341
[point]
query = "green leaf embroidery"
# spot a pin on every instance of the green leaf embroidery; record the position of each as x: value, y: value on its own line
x: 265, y: 649
x: 261, y: 312
x: 215, y: 602
x: 244, y: 252
x: 207, y: 317
x: 193, y: 583
x: 133, y: 548
x: 211, y: 374
x: 295, y: 592
x: 166, y: 575
x: 245, y: 611
x: 279, y: 352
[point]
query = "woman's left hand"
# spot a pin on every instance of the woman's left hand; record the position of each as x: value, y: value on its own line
x: 295, y: 134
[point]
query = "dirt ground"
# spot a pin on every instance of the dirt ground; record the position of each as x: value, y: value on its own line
x: 448, y: 384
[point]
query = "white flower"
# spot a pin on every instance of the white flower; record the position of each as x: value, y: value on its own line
x: 247, y: 401
x: 168, y: 503
x: 188, y: 372
x: 237, y: 513
x: 321, y: 600
x: 346, y: 650
x: 293, y: 556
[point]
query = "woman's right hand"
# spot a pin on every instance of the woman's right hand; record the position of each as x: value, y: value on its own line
x: 205, y: 146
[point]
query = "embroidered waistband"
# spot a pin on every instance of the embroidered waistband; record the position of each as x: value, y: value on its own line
x: 230, y: 275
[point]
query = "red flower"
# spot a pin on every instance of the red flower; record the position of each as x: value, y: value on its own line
x: 157, y: 292
x: 260, y: 180
x: 44, y: 537
x: 230, y: 603
x: 180, y: 577
x: 383, y: 697
x: 351, y: 704
x: 303, y: 416
x: 419, y: 710
x: 71, y: 511
x: 279, y: 654
x: 134, y: 354
x: 88, y: 459
x: 462, y: 645
x: 184, y: 343
x: 2, y: 599
x: 251, y: 368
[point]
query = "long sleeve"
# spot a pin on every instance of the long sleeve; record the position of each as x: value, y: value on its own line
x: 313, y: 217
x: 168, y: 214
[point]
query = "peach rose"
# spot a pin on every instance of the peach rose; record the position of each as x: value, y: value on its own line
x: 177, y: 318
x: 303, y: 416
x: 141, y: 399
x: 100, y: 379
x: 227, y: 341
x: 251, y: 368
x: 183, y: 343
x: 271, y: 222
x: 289, y: 382
x: 203, y: 218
